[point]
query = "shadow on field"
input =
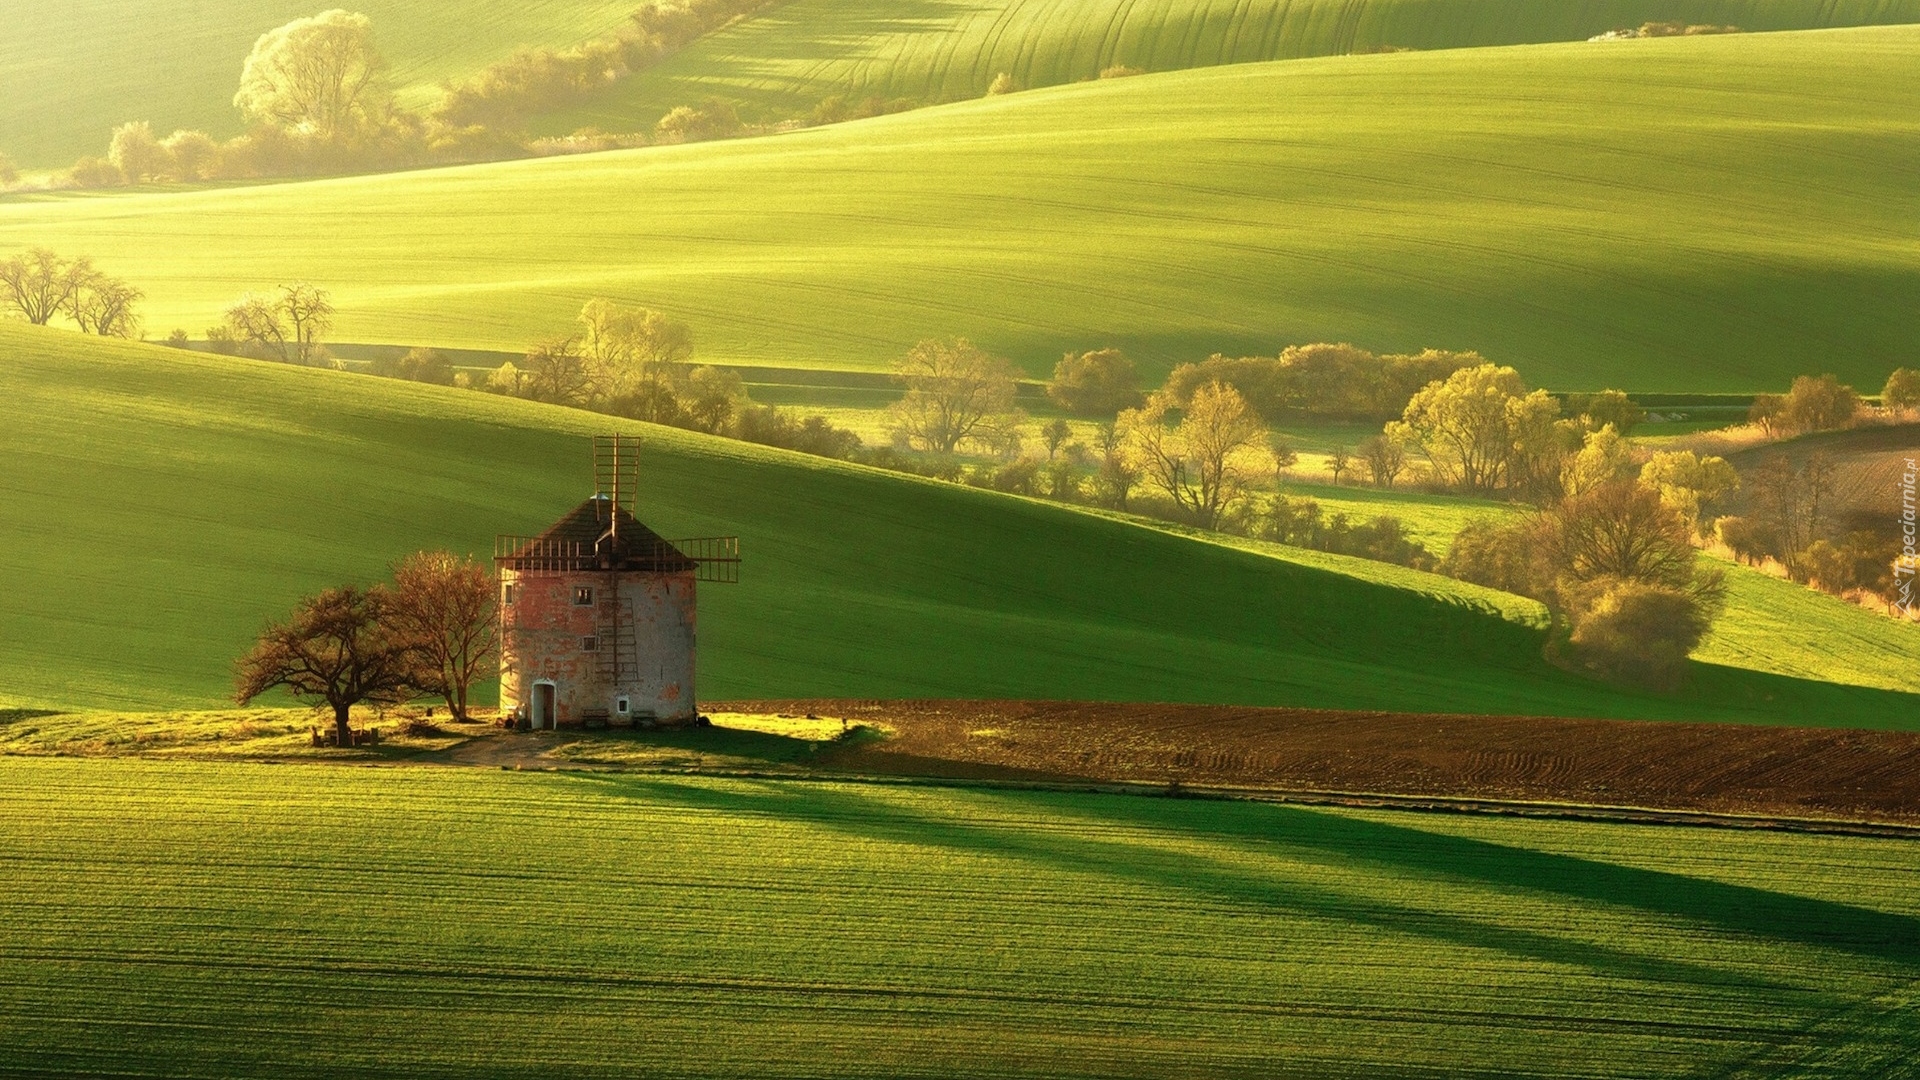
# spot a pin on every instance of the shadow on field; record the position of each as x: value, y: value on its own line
x: 1676, y: 900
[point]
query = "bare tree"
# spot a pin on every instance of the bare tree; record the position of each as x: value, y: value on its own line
x: 104, y: 305
x: 334, y: 648
x: 713, y: 397
x: 255, y: 324
x: 309, y: 314
x: 1789, y: 506
x: 318, y: 76
x: 955, y: 391
x: 1339, y: 460
x: 1621, y: 529
x: 444, y: 610
x: 39, y: 283
x: 287, y: 326
x: 1118, y: 474
x: 555, y: 372
x: 1385, y: 459
x: 1203, y: 462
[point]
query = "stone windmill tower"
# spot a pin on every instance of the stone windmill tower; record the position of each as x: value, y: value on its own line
x: 597, y: 613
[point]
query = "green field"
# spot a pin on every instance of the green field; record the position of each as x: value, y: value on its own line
x: 785, y: 61
x: 1631, y: 214
x: 71, y: 71
x: 445, y: 922
x: 159, y: 505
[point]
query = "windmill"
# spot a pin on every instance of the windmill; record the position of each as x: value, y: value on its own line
x: 597, y: 612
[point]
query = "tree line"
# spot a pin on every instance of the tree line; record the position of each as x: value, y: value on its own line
x: 636, y: 363
x: 316, y: 98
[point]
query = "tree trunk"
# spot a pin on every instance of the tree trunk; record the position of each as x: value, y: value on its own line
x: 342, y: 724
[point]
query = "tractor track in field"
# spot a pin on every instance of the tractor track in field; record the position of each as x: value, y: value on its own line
x: 1752, y: 775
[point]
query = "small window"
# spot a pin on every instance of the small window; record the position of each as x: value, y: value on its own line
x: 583, y: 595
x: 589, y: 644
x: 506, y: 593
x: 621, y: 706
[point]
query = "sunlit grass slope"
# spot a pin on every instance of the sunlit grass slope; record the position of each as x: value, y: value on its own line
x: 1677, y: 214
x: 450, y: 923
x: 787, y: 60
x: 158, y: 505
x: 71, y: 70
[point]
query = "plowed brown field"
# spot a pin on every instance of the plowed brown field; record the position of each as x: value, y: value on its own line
x: 1707, y: 768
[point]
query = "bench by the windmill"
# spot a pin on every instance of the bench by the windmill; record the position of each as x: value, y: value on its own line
x: 597, y: 612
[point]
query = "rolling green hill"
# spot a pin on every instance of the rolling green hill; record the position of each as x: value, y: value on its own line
x: 216, y: 919
x: 789, y: 59
x: 158, y: 505
x: 1692, y: 214
x: 71, y: 71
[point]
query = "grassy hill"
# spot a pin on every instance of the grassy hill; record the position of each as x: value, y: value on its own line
x: 71, y: 71
x: 834, y: 930
x: 158, y: 505
x: 789, y: 59
x: 1680, y: 214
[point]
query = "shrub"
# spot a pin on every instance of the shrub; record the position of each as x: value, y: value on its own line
x: 1639, y: 632
x: 839, y: 108
x: 1121, y: 71
x: 1499, y: 556
x: 192, y: 155
x: 95, y: 172
x: 1097, y: 383
x: 688, y: 123
x: 1682, y: 29
x: 1382, y: 538
x: 1337, y: 381
x: 1902, y: 391
x: 221, y: 340
x: 1819, y: 404
x: 1002, y: 84
x: 1607, y: 407
x: 1862, y: 560
x: 177, y: 339
x: 137, y: 154
x: 417, y: 365
x: 770, y: 426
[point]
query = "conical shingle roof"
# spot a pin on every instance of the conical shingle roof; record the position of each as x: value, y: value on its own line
x: 589, y: 528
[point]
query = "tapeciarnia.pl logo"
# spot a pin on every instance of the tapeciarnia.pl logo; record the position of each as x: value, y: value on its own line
x: 1903, y: 568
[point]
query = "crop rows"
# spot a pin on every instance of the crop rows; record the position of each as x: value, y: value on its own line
x: 1634, y: 214
x: 240, y: 920
x: 786, y: 61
